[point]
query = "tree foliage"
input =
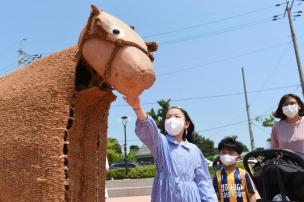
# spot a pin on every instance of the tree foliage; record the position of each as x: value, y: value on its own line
x: 245, y: 148
x: 205, y: 145
x: 114, y: 151
x: 269, y: 122
x: 159, y: 114
x: 266, y: 121
x: 114, y: 145
x: 134, y: 148
x: 132, y: 153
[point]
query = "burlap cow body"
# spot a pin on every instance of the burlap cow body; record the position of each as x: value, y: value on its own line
x: 54, y: 113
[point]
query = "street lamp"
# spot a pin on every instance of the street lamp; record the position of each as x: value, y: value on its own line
x: 124, y: 120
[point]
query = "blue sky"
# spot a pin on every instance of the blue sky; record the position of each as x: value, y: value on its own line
x: 202, y: 47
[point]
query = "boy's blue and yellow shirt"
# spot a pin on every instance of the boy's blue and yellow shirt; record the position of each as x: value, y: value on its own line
x: 233, y: 186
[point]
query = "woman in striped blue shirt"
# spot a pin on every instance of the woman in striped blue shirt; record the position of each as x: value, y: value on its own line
x: 182, y: 174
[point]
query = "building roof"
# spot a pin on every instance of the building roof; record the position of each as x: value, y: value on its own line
x: 143, y: 151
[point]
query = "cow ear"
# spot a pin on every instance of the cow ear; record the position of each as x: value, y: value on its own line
x: 95, y: 10
x: 152, y: 46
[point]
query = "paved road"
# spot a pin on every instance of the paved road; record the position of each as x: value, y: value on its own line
x: 130, y: 199
x: 129, y: 187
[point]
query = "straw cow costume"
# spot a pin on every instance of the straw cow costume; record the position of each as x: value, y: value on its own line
x: 54, y: 113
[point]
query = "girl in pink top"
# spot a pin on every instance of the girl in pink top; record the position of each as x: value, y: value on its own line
x: 288, y: 133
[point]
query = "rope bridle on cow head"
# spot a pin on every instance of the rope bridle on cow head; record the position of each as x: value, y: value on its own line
x: 103, y: 34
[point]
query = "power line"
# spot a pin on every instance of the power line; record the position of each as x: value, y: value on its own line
x: 216, y: 96
x: 205, y: 130
x: 223, y: 126
x: 208, y: 23
x: 267, y: 111
x: 239, y: 122
x: 261, y: 128
x: 222, y: 60
x: 213, y: 62
x: 229, y: 124
x: 272, y: 72
x: 209, y: 63
x: 217, y: 32
x: 226, y: 125
x: 243, y: 46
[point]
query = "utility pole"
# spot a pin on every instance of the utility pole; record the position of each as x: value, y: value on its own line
x: 23, y: 57
x: 288, y: 10
x: 248, y: 113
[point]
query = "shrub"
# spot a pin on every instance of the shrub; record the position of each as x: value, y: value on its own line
x: 147, y: 171
x: 133, y: 173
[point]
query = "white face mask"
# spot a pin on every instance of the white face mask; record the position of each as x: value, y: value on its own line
x: 290, y: 110
x: 227, y: 160
x: 174, y: 126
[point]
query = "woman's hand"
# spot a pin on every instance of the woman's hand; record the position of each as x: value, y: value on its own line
x: 134, y: 102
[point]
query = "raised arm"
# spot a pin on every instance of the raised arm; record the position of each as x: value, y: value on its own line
x: 146, y: 128
x: 134, y: 102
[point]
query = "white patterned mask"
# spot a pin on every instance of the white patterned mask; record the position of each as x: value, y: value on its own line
x: 290, y: 110
x: 227, y: 159
x: 174, y: 126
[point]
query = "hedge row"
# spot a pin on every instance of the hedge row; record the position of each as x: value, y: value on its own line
x: 147, y: 171
x: 133, y: 173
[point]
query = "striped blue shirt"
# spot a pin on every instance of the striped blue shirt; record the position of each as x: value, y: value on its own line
x: 182, y: 174
x: 234, y: 186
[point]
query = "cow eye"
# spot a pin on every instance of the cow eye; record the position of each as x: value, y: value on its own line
x: 117, y: 32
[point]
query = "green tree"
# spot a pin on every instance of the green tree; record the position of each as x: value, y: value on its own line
x: 267, y: 122
x: 134, y: 147
x: 245, y: 148
x: 132, y: 153
x: 205, y: 145
x: 159, y: 114
x: 114, y: 151
x: 114, y: 145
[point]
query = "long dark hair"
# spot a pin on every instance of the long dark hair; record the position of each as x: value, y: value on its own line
x: 188, y: 133
x: 279, y: 112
